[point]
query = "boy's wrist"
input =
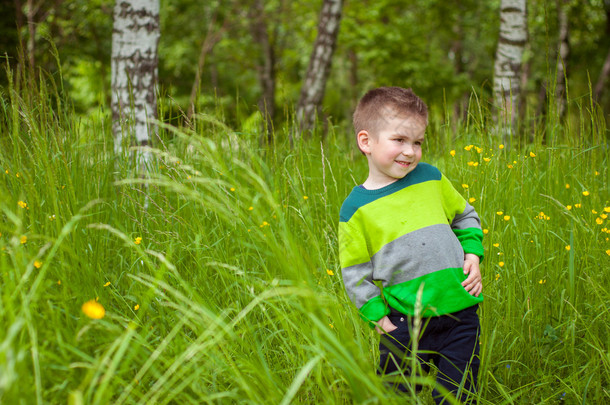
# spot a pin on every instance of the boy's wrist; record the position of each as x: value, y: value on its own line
x: 472, y: 256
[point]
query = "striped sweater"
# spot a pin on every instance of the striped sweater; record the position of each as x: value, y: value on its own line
x: 411, y: 232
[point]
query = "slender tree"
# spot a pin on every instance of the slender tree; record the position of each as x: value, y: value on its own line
x: 507, y: 66
x: 605, y: 72
x: 312, y: 91
x: 135, y: 40
x: 266, y: 67
x: 562, y: 58
x: 603, y: 76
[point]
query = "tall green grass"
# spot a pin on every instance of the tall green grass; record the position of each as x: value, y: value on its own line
x: 234, y: 293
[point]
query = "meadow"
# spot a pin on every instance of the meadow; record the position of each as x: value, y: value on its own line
x: 216, y: 279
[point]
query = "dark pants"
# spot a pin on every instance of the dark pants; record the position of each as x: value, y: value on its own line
x: 451, y: 342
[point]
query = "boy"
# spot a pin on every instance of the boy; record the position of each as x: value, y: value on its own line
x: 408, y: 229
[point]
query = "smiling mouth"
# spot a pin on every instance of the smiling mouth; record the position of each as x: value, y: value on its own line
x: 403, y: 164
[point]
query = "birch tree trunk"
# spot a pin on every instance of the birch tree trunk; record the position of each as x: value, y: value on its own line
x: 312, y: 91
x: 564, y: 51
x: 135, y: 38
x: 507, y: 66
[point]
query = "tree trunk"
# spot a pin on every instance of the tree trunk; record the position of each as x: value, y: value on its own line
x: 564, y: 51
x: 211, y: 39
x: 266, y: 69
x: 603, y: 76
x: 135, y: 39
x: 312, y: 92
x: 507, y: 66
x: 31, y: 46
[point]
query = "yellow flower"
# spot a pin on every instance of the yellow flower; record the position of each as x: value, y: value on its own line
x: 471, y: 163
x: 567, y: 185
x: 17, y: 175
x: 468, y: 147
x: 585, y: 193
x: 452, y: 152
x: 479, y: 150
x: 188, y: 177
x: 250, y: 208
x: 475, y: 164
x: 497, y: 276
x: 232, y: 188
x: 542, y: 281
x: 577, y: 205
x: 568, y: 248
x: 486, y: 159
x: 596, y: 173
x: 138, y: 240
x: 471, y: 200
x: 501, y: 264
x: 23, y: 240
x: 568, y: 207
x: 485, y: 231
x: 496, y: 245
x: 22, y: 204
x: 107, y: 284
x: 305, y: 197
x: 465, y: 185
x: 593, y: 211
x: 330, y: 272
x: 532, y: 154
x: 499, y: 213
x: 607, y: 209
x: 608, y: 252
x: 136, y: 307
x: 265, y: 223
x: 506, y: 217
x: 510, y: 166
x: 93, y: 309
x: 58, y: 282
x: 37, y: 264
x: 500, y: 146
x: 599, y: 221
x: 603, y: 216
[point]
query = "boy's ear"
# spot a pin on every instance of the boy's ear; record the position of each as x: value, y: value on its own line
x: 364, y: 141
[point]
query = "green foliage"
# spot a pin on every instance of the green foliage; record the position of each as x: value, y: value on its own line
x: 233, y: 293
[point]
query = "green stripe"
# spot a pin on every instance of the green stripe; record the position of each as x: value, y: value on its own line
x: 471, y: 240
x: 374, y: 310
x: 453, y: 202
x: 443, y: 288
x: 389, y: 218
x: 360, y: 197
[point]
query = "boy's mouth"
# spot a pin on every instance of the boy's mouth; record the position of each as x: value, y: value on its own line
x: 403, y: 164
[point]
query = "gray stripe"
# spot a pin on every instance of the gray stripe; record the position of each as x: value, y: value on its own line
x: 358, y: 280
x: 416, y: 254
x: 467, y: 219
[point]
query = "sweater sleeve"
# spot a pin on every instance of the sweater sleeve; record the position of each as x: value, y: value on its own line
x: 463, y: 219
x: 357, y: 273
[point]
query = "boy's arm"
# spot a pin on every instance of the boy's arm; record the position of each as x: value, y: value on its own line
x: 357, y: 273
x: 463, y: 219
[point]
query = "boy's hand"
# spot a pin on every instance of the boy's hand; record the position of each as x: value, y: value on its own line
x: 384, y: 325
x: 473, y: 283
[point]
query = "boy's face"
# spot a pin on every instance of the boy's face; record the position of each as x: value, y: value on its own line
x: 394, y: 151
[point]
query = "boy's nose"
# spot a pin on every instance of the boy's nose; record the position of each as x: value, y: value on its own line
x: 408, y: 150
